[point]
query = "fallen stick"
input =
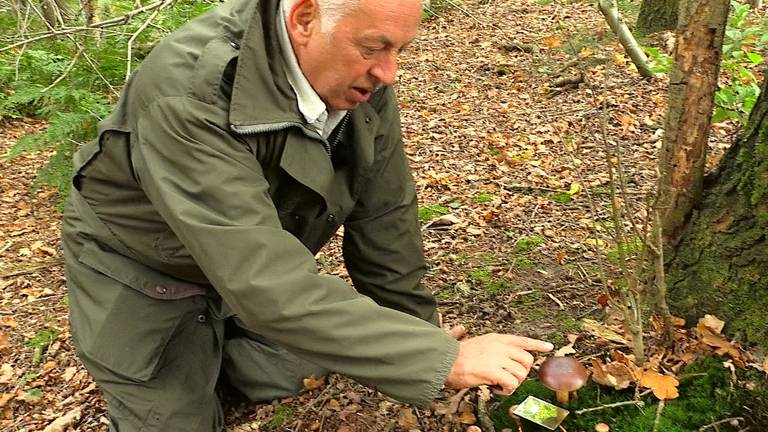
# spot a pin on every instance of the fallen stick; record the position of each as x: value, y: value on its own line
x: 638, y: 403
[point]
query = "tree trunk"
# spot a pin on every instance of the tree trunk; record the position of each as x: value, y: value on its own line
x: 720, y: 267
x: 657, y: 15
x: 692, y: 85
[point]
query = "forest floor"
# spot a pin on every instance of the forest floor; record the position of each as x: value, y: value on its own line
x: 514, y: 186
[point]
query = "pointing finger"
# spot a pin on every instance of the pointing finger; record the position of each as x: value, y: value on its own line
x: 528, y: 344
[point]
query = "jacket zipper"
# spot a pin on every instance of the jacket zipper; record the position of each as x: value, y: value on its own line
x: 273, y: 127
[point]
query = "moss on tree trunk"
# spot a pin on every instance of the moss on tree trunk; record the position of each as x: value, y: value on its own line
x: 721, y: 265
x: 657, y: 15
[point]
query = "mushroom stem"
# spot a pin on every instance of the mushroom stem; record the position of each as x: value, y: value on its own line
x: 562, y: 397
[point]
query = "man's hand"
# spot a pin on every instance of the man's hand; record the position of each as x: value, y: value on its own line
x: 499, y: 360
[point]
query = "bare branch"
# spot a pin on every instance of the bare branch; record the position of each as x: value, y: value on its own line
x: 121, y: 20
x: 141, y: 28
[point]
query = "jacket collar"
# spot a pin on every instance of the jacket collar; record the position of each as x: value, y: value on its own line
x: 263, y: 100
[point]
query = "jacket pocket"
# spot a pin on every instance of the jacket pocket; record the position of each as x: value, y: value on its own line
x: 118, y: 326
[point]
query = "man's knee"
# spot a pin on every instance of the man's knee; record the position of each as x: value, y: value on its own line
x: 263, y: 371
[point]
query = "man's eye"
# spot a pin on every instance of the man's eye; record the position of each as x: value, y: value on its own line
x: 369, y: 51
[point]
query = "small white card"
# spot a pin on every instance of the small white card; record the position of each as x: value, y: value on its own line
x: 541, y: 412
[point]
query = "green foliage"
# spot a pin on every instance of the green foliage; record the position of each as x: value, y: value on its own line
x: 483, y: 198
x: 72, y: 82
x: 527, y: 244
x: 742, y: 47
x: 429, y: 212
x: 658, y: 61
x: 437, y: 7
x: 40, y: 343
x: 631, y: 248
x: 561, y: 197
x: 485, y: 280
x: 745, y: 41
x: 281, y: 415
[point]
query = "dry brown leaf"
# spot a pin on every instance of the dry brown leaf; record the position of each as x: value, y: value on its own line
x: 564, y: 351
x: 62, y: 423
x: 663, y: 386
x: 8, y: 321
x: 467, y: 417
x: 69, y: 373
x: 4, y: 398
x: 723, y: 345
x: 600, y: 330
x: 613, y: 374
x: 552, y: 42
x: 407, y: 419
x: 4, y: 341
x: 6, y: 373
x: 765, y: 366
x: 312, y: 383
x: 711, y: 322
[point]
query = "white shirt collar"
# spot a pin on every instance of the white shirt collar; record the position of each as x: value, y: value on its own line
x: 310, y: 105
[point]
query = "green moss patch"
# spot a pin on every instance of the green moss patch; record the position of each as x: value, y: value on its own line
x: 706, y: 395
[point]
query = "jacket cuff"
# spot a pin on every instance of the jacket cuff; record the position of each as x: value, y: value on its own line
x: 441, y: 375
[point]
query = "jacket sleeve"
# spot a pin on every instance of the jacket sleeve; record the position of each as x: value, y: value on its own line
x: 383, y: 250
x: 213, y: 195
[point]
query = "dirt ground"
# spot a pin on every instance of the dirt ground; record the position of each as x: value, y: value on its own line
x: 511, y: 172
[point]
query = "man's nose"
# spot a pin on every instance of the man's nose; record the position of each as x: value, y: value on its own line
x: 385, y: 70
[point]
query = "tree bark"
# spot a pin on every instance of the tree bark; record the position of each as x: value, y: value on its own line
x: 657, y: 15
x: 611, y: 12
x: 693, y: 83
x: 720, y: 264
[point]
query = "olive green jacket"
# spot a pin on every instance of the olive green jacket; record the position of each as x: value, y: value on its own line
x: 206, y: 175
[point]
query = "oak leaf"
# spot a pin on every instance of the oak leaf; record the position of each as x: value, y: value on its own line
x: 663, y: 386
x: 614, y: 374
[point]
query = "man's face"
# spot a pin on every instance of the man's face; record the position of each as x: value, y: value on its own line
x: 359, y: 54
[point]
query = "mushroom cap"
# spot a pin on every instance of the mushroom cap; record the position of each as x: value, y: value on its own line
x: 563, y: 374
x: 602, y: 427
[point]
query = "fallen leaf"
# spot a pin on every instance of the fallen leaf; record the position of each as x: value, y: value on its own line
x: 69, y: 373
x: 8, y: 322
x: 312, y: 383
x: 712, y: 322
x: 5, y: 398
x: 613, y: 374
x: 6, y: 373
x: 552, y: 42
x: 723, y: 345
x: 600, y: 330
x: 4, y: 340
x: 663, y: 386
x: 62, y: 423
x: 564, y: 351
x: 765, y: 366
x: 407, y: 419
x: 467, y: 417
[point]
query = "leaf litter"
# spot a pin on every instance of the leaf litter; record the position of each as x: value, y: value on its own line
x: 509, y: 157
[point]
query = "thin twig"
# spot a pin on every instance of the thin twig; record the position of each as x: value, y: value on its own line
x: 141, y: 28
x: 659, y: 409
x: 719, y: 422
x: 121, y: 20
x: 66, y: 71
x: 638, y: 403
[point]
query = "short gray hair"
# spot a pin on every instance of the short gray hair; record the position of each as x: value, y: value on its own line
x: 330, y: 11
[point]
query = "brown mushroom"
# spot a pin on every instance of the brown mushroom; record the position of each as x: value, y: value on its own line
x: 562, y: 375
x: 602, y: 427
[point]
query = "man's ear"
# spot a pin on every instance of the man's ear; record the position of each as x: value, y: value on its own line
x: 303, y: 20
